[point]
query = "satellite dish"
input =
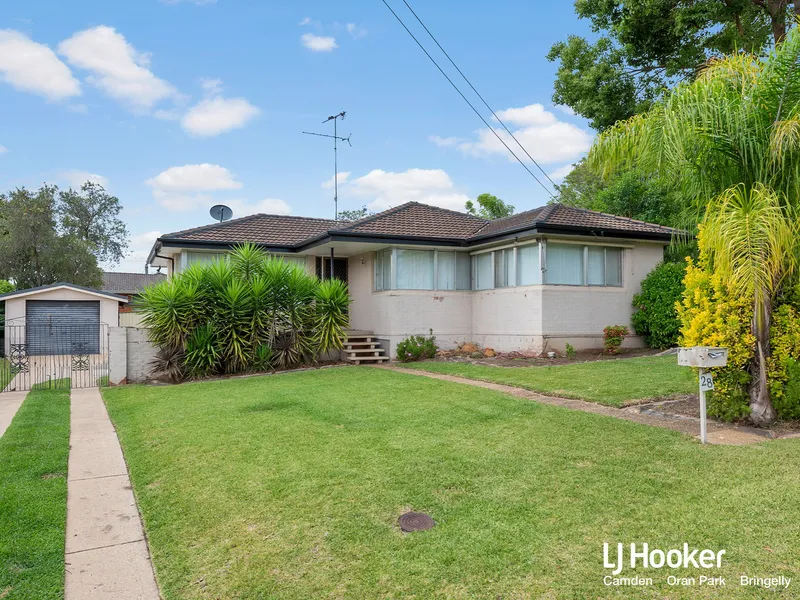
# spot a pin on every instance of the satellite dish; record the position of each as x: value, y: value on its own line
x: 220, y: 212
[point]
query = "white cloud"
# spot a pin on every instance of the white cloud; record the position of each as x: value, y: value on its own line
x: 547, y: 139
x: 117, y: 67
x: 194, y: 178
x: 211, y: 86
x: 307, y: 21
x: 218, y: 115
x: 445, y: 142
x: 386, y: 189
x: 567, y: 110
x: 77, y: 178
x: 140, y: 246
x: 32, y: 67
x: 187, y: 187
x: 270, y: 206
x: 3, y: 149
x: 355, y: 31
x: 561, y: 172
x: 318, y: 43
x: 343, y: 177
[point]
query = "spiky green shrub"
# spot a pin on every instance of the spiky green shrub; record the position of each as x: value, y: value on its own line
x: 247, y: 311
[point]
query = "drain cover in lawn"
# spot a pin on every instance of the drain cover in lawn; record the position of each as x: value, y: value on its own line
x: 414, y: 521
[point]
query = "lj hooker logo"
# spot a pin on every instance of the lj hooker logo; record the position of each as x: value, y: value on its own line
x: 640, y: 555
x: 673, y: 558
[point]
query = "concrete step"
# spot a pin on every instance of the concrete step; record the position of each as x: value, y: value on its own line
x: 360, y: 359
x: 360, y: 338
x: 365, y: 351
x: 356, y: 345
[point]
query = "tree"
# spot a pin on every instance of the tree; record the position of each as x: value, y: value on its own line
x: 353, y: 215
x: 489, y: 207
x: 647, y: 47
x: 33, y: 251
x: 730, y: 141
x: 92, y: 215
x: 580, y: 186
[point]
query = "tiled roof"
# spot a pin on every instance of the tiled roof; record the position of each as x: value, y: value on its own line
x: 558, y: 215
x: 413, y: 219
x: 129, y: 283
x: 270, y: 230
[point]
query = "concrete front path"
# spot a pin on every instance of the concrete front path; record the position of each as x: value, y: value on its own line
x: 9, y: 405
x: 106, y: 552
x: 718, y: 433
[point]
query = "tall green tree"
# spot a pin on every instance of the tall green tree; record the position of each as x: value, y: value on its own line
x: 92, y: 215
x: 34, y: 249
x: 489, y: 207
x: 730, y: 141
x: 646, y: 47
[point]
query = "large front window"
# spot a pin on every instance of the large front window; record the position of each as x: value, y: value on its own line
x: 574, y: 264
x: 411, y: 269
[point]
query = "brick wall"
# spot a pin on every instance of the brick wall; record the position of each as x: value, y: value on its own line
x: 140, y: 353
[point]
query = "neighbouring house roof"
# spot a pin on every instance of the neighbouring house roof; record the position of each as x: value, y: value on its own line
x: 129, y: 283
x: 413, y: 222
x: 61, y: 285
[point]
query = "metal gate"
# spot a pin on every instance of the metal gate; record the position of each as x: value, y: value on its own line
x: 49, y: 353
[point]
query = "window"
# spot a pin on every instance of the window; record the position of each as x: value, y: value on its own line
x: 414, y: 269
x: 423, y: 270
x: 383, y: 270
x: 504, y: 268
x: 445, y: 270
x: 528, y: 270
x: 194, y: 258
x: 483, y: 271
x: 300, y: 261
x: 564, y: 264
x: 573, y: 264
x: 463, y: 271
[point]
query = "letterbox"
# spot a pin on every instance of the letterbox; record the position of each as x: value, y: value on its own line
x: 703, y: 357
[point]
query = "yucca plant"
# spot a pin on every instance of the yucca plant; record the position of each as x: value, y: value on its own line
x: 331, y: 314
x: 731, y: 141
x: 201, y: 357
x: 244, y: 312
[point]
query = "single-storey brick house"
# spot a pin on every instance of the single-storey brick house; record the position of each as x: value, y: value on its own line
x: 530, y: 282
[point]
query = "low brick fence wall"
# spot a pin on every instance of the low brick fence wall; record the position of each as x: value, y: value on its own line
x: 129, y: 355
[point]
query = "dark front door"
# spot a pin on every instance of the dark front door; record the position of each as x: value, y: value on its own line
x: 339, y: 268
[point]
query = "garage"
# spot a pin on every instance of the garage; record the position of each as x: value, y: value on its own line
x: 56, y: 327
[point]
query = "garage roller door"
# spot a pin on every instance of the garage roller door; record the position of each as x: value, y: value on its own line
x: 62, y: 327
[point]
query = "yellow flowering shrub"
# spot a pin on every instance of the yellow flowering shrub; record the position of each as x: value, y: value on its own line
x: 711, y: 316
x: 783, y: 366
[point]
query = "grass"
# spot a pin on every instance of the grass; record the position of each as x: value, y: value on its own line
x: 6, y: 375
x: 289, y: 486
x: 612, y: 382
x: 63, y: 383
x: 33, y: 498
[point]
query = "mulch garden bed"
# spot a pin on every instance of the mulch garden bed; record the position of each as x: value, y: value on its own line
x: 689, y: 406
x: 518, y: 359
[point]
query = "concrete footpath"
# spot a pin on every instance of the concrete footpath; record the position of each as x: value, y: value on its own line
x: 9, y: 405
x: 106, y: 552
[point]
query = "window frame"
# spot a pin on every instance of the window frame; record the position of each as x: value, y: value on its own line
x: 393, y: 253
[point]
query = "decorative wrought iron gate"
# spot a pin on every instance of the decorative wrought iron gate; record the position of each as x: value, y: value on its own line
x: 50, y: 353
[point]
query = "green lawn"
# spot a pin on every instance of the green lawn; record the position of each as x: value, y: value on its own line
x: 612, y: 382
x: 290, y: 486
x: 33, y: 498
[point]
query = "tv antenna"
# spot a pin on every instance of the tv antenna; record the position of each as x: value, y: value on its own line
x: 220, y: 212
x: 336, y: 139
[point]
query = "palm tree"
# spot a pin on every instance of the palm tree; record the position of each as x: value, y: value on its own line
x: 730, y: 140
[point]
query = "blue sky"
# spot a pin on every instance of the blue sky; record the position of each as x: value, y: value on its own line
x: 177, y: 105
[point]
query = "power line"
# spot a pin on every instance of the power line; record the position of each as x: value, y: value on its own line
x: 486, y: 104
x: 460, y: 93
